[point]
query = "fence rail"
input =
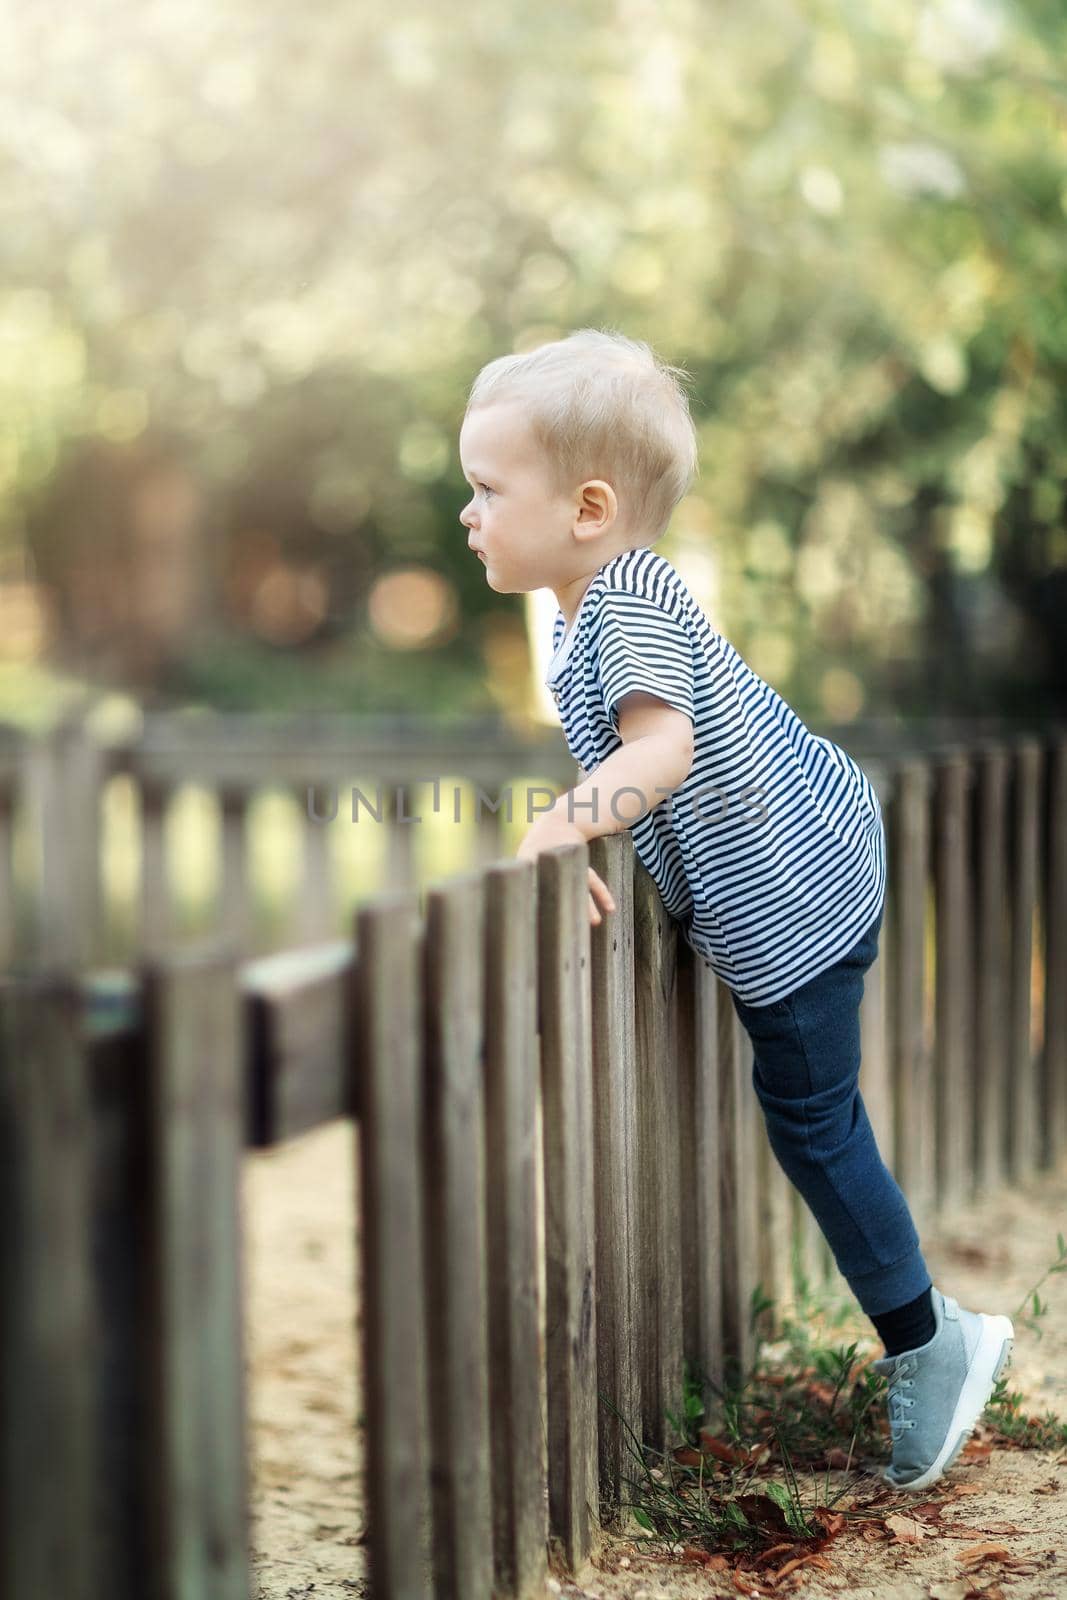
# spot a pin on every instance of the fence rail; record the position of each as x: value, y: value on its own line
x: 53, y: 897
x: 565, y: 1190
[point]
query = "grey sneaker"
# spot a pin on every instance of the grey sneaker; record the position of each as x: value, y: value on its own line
x: 938, y: 1392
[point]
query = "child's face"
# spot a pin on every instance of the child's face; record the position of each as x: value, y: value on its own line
x: 518, y: 523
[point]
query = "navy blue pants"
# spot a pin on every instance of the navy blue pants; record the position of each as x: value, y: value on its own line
x: 805, y: 1073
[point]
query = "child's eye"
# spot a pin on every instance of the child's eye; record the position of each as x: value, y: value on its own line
x: 487, y: 489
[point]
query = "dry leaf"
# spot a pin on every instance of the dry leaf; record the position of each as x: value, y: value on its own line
x: 975, y: 1554
x: 744, y: 1582
x: 799, y: 1561
x: 721, y: 1450
x: 905, y: 1529
x: 776, y: 1549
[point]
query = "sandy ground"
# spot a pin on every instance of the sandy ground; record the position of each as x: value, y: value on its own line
x: 306, y: 1461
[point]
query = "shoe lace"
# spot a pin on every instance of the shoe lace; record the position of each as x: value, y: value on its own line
x: 898, y: 1401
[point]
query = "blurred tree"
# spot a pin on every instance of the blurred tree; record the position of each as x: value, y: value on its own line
x: 294, y: 238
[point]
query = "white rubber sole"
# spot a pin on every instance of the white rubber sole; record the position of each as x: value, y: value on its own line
x: 990, y: 1359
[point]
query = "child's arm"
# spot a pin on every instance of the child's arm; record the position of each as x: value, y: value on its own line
x: 656, y: 755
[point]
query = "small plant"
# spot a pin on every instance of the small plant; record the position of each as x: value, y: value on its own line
x: 813, y: 1408
x: 1031, y: 1319
x: 1004, y: 1410
x: 1005, y: 1413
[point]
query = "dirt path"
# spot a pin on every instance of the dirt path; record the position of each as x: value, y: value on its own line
x: 307, y: 1466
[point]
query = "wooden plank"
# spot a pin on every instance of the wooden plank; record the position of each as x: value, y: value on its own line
x: 399, y: 810
x: 316, y: 919
x: 954, y: 981
x: 48, y: 1332
x: 1054, y: 1089
x: 617, y: 1164
x: 456, y: 1291
x: 735, y: 1194
x: 488, y: 835
x: 234, y: 910
x: 61, y: 800
x: 519, y: 1468
x: 1025, y: 868
x: 194, y: 1335
x: 386, y: 1030
x: 659, y: 1283
x: 699, y: 993
x: 9, y: 931
x: 258, y: 749
x: 124, y: 1504
x: 771, y: 1213
x: 875, y: 1078
x: 570, y: 1269
x: 157, y: 914
x: 914, y: 1153
x: 299, y: 1072
x: 991, y: 1046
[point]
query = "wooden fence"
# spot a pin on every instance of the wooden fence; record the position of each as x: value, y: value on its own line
x: 565, y: 1191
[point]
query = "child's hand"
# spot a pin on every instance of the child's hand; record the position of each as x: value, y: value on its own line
x: 548, y: 832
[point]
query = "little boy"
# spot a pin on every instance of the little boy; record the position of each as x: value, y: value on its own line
x: 766, y: 842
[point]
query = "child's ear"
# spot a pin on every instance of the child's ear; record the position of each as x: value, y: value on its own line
x: 597, y: 503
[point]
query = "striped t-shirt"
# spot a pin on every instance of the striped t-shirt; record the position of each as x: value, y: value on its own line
x: 771, y: 852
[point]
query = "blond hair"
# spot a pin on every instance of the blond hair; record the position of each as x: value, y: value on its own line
x: 601, y: 405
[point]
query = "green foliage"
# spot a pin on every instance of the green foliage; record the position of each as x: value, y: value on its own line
x: 308, y: 230
x: 814, y: 1406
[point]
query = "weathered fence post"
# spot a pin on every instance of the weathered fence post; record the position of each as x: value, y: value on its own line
x: 913, y: 1073
x: 125, y: 1359
x: 875, y: 1079
x: 48, y: 1332
x: 617, y: 1175
x: 567, y: 1101
x: 156, y: 910
x: 194, y: 1061
x: 9, y: 931
x: 659, y: 1252
x: 954, y: 981
x: 386, y: 1038
x: 992, y: 1063
x: 1054, y: 1091
x: 1023, y: 1133
x: 234, y: 907
x: 454, y: 1167
x: 315, y: 919
x: 736, y: 1194
x: 519, y: 1468
x: 698, y: 1056
x: 60, y: 796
